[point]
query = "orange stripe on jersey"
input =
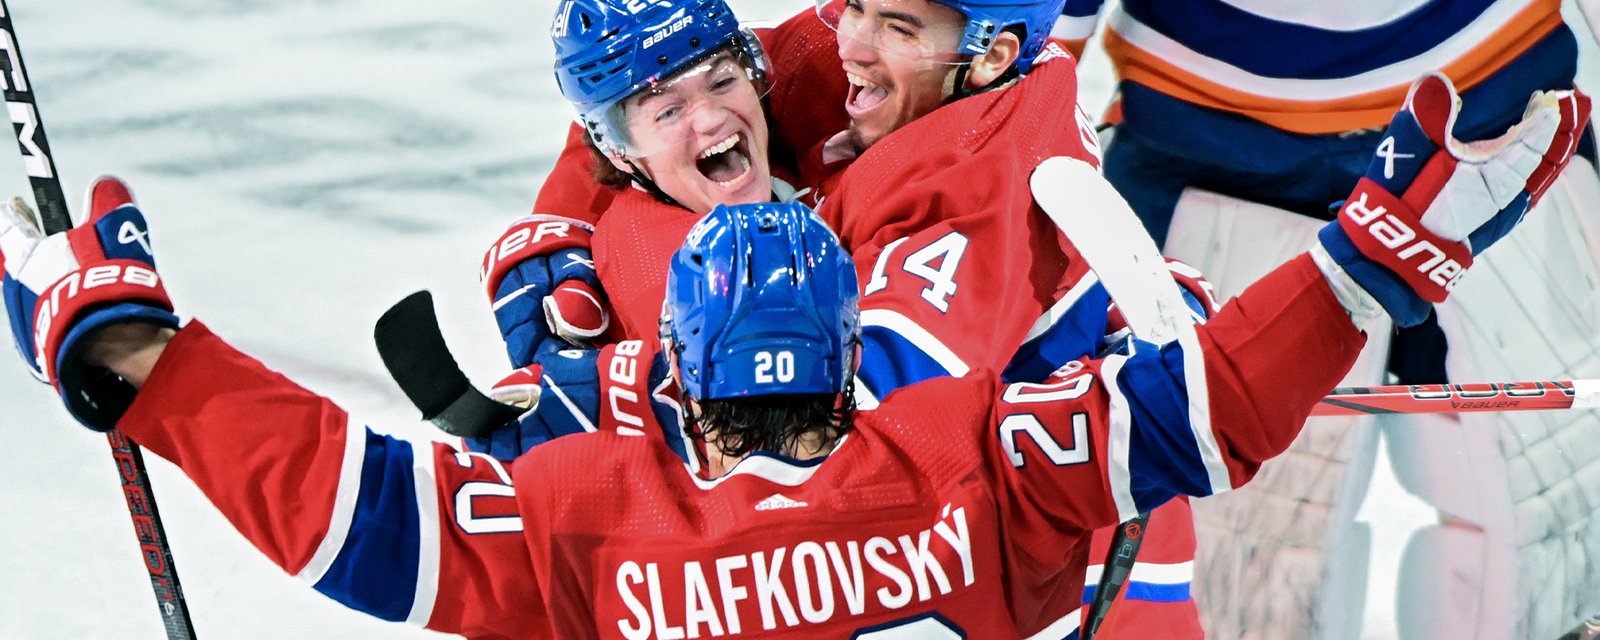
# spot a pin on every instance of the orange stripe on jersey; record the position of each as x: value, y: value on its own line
x: 1358, y: 111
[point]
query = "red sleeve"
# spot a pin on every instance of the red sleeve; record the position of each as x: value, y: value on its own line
x: 402, y: 531
x: 570, y: 189
x: 1110, y: 438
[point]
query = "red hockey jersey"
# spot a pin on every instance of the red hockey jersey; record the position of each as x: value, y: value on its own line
x: 960, y: 507
x: 959, y: 268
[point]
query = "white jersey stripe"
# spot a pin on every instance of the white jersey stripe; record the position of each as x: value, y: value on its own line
x: 423, y: 477
x: 1199, y: 392
x: 1149, y: 573
x: 1074, y: 27
x: 917, y: 336
x: 344, y: 504
x: 1061, y: 628
x: 1118, y: 441
x: 1061, y: 306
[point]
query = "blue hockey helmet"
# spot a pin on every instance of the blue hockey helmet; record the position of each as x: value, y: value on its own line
x: 609, y: 50
x: 762, y: 300
x: 985, y: 20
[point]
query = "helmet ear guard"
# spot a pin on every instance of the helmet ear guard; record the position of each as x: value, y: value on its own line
x: 762, y: 300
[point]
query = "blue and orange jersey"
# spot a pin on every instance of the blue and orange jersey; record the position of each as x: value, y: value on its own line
x: 1312, y: 67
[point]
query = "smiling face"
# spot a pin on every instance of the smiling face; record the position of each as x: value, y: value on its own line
x: 899, y: 56
x: 701, y: 135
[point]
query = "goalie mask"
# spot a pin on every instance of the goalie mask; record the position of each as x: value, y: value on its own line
x: 761, y: 300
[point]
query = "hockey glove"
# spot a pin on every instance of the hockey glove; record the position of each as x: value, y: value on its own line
x: 579, y: 390
x: 61, y: 289
x: 1429, y: 202
x: 541, y: 282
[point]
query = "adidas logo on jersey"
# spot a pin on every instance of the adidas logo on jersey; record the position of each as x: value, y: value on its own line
x: 779, y: 501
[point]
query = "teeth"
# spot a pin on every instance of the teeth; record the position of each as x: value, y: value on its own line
x: 860, y: 81
x: 744, y: 161
x: 721, y: 147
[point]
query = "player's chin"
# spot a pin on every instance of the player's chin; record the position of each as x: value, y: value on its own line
x: 705, y: 193
x: 868, y: 131
x: 756, y: 186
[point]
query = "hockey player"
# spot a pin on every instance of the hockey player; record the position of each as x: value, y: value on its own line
x: 1240, y: 124
x: 954, y: 496
x: 661, y: 139
x: 941, y: 296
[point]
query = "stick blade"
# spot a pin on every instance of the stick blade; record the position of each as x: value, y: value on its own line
x: 414, y: 352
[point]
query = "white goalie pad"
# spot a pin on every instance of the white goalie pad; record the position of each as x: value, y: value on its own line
x: 1514, y: 552
x: 1282, y: 557
x: 1519, y: 492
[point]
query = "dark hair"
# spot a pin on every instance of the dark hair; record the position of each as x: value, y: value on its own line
x: 774, y: 423
x: 605, y: 173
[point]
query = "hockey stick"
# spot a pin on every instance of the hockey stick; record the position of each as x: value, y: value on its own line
x: 414, y: 352
x: 129, y: 458
x: 1540, y: 395
x: 1119, y: 250
x: 1119, y: 565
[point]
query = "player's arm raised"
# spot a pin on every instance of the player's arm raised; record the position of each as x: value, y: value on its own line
x: 1198, y: 416
x: 399, y: 530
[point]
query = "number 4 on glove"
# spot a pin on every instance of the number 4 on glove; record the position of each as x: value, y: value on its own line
x: 1429, y: 203
x: 61, y: 289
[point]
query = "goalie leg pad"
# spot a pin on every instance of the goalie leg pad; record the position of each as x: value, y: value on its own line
x: 1526, y: 484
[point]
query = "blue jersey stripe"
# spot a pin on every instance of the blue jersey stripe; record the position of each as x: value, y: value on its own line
x: 1082, y: 8
x: 1076, y: 334
x: 376, y: 571
x: 1146, y: 591
x: 1221, y: 31
x: 890, y: 361
x: 1163, y: 457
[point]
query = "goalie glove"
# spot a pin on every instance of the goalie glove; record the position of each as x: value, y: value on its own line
x: 541, y: 281
x: 61, y: 289
x: 1429, y: 202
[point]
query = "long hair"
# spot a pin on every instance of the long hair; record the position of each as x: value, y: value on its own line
x: 776, y: 423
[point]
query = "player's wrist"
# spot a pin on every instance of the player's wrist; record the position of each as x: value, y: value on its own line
x: 128, y: 349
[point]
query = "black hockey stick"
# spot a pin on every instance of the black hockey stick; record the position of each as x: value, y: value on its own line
x: 1119, y: 564
x: 413, y: 349
x: 52, y: 205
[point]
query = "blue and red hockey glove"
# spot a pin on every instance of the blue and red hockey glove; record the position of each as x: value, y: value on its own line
x: 60, y: 289
x: 1429, y: 202
x: 624, y: 387
x: 542, y: 285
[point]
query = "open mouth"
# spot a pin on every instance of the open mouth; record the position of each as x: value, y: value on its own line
x: 864, y: 94
x: 726, y: 163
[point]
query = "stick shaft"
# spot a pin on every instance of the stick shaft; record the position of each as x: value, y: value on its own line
x: 52, y: 205
x: 1538, y: 395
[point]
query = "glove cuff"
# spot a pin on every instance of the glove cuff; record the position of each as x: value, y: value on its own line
x: 529, y: 237
x: 95, y: 396
x: 1396, y: 296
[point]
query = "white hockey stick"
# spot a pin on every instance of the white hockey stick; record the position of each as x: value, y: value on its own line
x: 1108, y: 235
